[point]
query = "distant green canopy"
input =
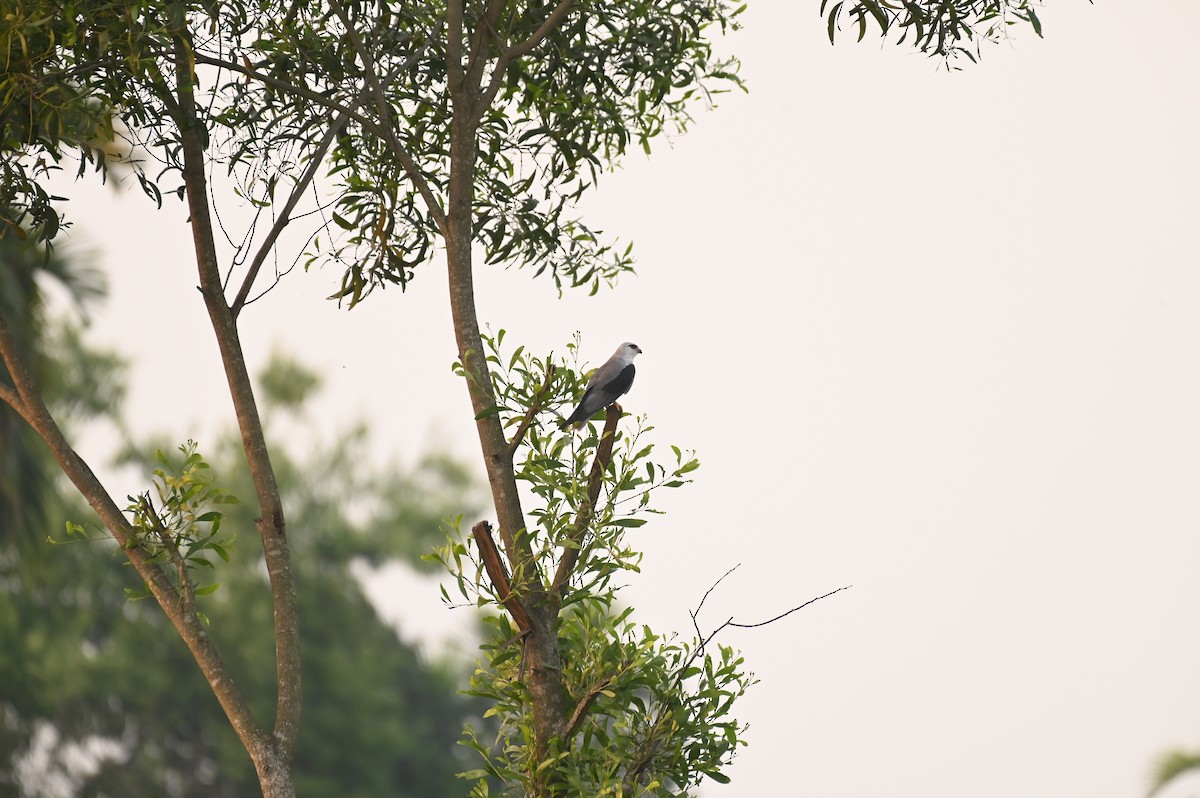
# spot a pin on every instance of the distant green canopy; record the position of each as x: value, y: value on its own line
x: 94, y: 693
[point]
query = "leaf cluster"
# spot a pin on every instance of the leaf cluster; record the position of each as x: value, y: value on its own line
x: 79, y: 75
x: 652, y: 718
x: 366, y: 94
x: 652, y: 713
x: 183, y: 528
x: 945, y: 29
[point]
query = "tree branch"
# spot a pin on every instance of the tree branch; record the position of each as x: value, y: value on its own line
x: 187, y: 589
x: 13, y: 400
x: 370, y: 74
x: 510, y: 54
x: 534, y: 407
x: 587, y: 509
x: 785, y: 614
x: 585, y: 704
x: 285, y: 215
x: 271, y: 525
x: 454, y: 34
x: 552, y: 21
x: 498, y: 574
x: 33, y: 409
x: 485, y: 32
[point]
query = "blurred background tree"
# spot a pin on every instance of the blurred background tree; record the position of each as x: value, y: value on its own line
x: 98, y: 697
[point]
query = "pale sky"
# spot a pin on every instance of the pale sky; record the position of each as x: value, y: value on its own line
x: 933, y: 335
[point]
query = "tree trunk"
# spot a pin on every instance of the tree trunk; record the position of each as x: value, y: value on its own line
x: 542, y: 657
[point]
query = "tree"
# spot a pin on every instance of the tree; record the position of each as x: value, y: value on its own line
x: 82, y: 708
x: 460, y: 125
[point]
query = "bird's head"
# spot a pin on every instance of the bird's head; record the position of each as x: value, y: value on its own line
x: 626, y: 352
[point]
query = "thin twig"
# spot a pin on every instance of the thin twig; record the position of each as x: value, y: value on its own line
x: 704, y: 598
x: 285, y: 215
x: 789, y: 612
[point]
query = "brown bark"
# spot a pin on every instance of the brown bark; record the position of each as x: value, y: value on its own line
x: 28, y: 403
x: 272, y: 761
x: 542, y: 657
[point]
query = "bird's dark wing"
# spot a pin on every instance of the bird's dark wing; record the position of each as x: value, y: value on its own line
x: 598, y: 396
x: 587, y: 406
x: 620, y: 384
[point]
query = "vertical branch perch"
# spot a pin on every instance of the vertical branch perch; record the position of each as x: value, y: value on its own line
x: 583, y: 518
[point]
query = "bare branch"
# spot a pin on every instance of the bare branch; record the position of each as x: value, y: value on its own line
x: 285, y: 215
x: 704, y: 598
x: 498, y: 574
x: 485, y: 33
x: 13, y: 400
x: 271, y: 527
x: 33, y: 409
x: 454, y: 33
x: 789, y: 612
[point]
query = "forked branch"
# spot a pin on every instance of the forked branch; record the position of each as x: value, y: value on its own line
x: 704, y: 640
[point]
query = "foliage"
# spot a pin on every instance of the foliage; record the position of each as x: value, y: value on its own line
x: 433, y: 124
x: 25, y: 275
x: 610, y: 76
x: 183, y: 528
x: 946, y: 29
x: 651, y: 713
x: 92, y: 666
x: 1174, y: 765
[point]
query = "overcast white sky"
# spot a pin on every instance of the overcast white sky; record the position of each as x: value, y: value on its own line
x: 933, y: 335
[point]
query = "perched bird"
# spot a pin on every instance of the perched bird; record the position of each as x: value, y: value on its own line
x: 607, y: 383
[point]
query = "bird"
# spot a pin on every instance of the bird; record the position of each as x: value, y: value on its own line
x: 607, y: 384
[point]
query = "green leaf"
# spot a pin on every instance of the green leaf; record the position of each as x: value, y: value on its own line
x: 1033, y: 20
x: 833, y: 17
x: 488, y: 411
